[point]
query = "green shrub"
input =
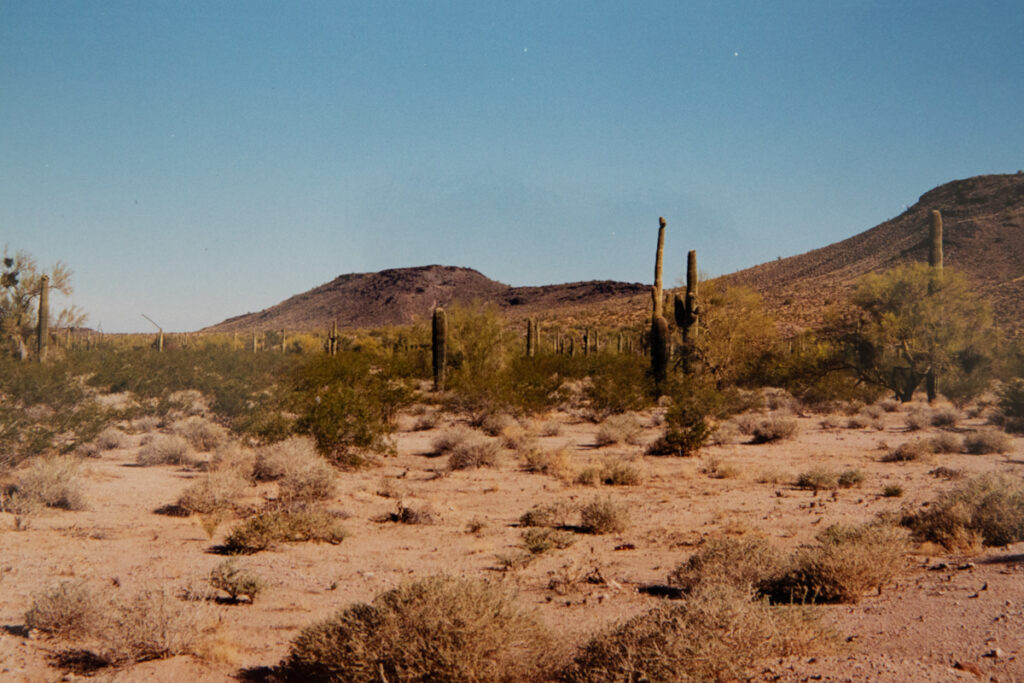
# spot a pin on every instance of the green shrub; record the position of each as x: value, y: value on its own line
x: 687, y: 427
x: 435, y: 629
x: 1011, y: 405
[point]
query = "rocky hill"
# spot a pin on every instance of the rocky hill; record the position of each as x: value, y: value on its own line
x: 983, y: 226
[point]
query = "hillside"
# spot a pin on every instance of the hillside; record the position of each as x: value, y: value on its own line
x: 983, y: 225
x: 402, y: 295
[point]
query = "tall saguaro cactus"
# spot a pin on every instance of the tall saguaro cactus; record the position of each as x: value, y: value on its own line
x: 935, y: 261
x: 439, y: 340
x: 659, y: 326
x: 43, y: 325
x: 532, y: 337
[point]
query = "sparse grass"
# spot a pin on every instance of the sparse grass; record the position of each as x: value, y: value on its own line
x: 749, y: 563
x: 604, y: 516
x: 987, y: 442
x: 166, y: 449
x: 557, y: 514
x: 212, y: 491
x: 987, y: 509
x: 474, y: 453
x: 435, y: 629
x: 235, y: 581
x: 843, y: 564
x: 48, y: 481
x: 284, y: 525
x: 716, y: 634
x: 623, y: 428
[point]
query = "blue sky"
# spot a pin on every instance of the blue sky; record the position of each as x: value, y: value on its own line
x: 198, y: 160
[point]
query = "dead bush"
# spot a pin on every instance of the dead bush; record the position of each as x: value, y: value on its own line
x: 844, y: 563
x: 212, y: 491
x: 277, y: 459
x: 946, y: 443
x: 235, y: 581
x: 291, y: 524
x: 946, y: 416
x: 557, y: 463
x: 716, y: 634
x: 496, y: 423
x: 166, y: 449
x: 557, y: 514
x: 818, y: 479
x: 540, y: 540
x: 746, y: 563
x: 152, y: 624
x: 435, y: 629
x: 909, y: 451
x: 473, y: 453
x: 68, y: 610
x: 50, y: 481
x: 623, y: 428
x: 986, y: 442
x: 201, y: 434
x: 775, y: 428
x: 233, y: 456
x: 604, y: 516
x: 110, y: 438
x: 918, y: 419
x: 307, y: 481
x: 988, y: 508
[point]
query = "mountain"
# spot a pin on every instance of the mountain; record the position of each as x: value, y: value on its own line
x: 401, y: 295
x: 983, y: 235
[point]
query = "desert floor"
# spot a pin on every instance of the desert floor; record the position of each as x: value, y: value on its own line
x: 944, y: 618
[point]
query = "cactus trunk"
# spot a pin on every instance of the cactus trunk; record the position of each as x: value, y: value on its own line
x: 440, y: 347
x: 43, y: 323
x: 531, y: 337
x: 935, y: 242
x: 656, y: 294
x: 660, y: 349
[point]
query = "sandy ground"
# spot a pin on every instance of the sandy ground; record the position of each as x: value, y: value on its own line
x: 945, y: 618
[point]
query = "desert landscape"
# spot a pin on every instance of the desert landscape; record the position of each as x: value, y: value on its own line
x: 559, y: 486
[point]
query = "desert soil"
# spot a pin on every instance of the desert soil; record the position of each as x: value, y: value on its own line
x: 944, y: 618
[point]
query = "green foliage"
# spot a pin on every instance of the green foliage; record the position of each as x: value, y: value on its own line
x: 688, y: 423
x: 1011, y: 405
x: 736, y: 335
x: 20, y: 279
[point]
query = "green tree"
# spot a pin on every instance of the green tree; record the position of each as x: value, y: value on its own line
x: 20, y: 282
x: 735, y: 333
x: 911, y: 321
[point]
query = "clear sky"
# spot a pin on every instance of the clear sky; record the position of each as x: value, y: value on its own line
x: 198, y: 160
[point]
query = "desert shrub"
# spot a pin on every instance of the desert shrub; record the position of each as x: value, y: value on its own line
x: 557, y: 514
x: 946, y: 417
x: 618, y: 384
x: 67, y: 610
x: 110, y: 438
x: 557, y: 463
x: 435, y: 629
x: 909, y: 451
x: 291, y: 524
x: 624, y: 428
x: 985, y: 442
x: 858, y: 422
x: 407, y: 514
x: 589, y: 476
x: 604, y: 516
x: 817, y: 479
x: 307, y: 480
x: 726, y: 433
x: 850, y: 478
x: 212, y: 491
x: 494, y: 424
x: 426, y: 422
x: 774, y: 428
x: 717, y: 468
x: 619, y: 473
x: 446, y: 441
x: 831, y: 422
x: 166, y: 449
x: 517, y: 438
x: 843, y: 564
x: 202, y: 434
x: 892, y: 491
x: 1011, y: 405
x: 716, y: 634
x: 946, y: 473
x: 746, y: 563
x: 550, y: 428
x: 233, y: 456
x: 988, y: 508
x: 51, y: 481
x: 275, y: 460
x: 235, y: 581
x: 918, y: 419
x: 687, y: 427
x: 152, y: 624
x: 473, y: 453
x: 946, y: 443
x: 539, y: 540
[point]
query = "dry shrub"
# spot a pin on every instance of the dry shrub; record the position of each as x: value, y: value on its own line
x: 831, y: 422
x: 892, y: 491
x: 986, y: 442
x: 850, y: 478
x: 275, y: 460
x: 145, y: 424
x: 551, y: 429
x: 557, y: 463
x: 918, y: 419
x: 858, y: 421
x: 844, y: 563
x: 716, y: 634
x: 716, y: 468
x: 818, y: 479
x: 189, y: 401
x: 235, y: 581
x: 291, y: 524
x: 166, y: 449
x: 889, y: 405
x: 435, y: 629
x: 517, y: 438
x: 473, y: 453
x: 946, y: 417
x: 604, y: 516
x: 775, y: 428
x: 50, y: 481
x: 557, y: 514
x: 748, y: 563
x: 540, y: 540
x: 946, y: 443
x: 213, y: 491
x: 910, y: 451
x: 201, y: 434
x: 728, y: 433
x: 307, y: 480
x: 233, y: 456
x: 947, y: 473
x: 624, y: 428
x: 446, y: 441
x: 426, y: 422
x: 67, y: 610
x: 620, y: 473
x: 496, y: 423
x: 405, y: 514
x: 988, y: 508
x: 110, y: 438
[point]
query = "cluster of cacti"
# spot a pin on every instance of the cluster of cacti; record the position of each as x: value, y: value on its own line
x: 333, y: 339
x: 439, y: 342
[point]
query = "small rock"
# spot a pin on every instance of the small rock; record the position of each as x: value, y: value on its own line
x: 939, y: 567
x: 966, y: 565
x: 995, y: 654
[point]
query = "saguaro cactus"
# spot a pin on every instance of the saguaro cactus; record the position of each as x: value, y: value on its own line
x: 440, y: 346
x: 656, y: 295
x: 531, y: 337
x: 935, y: 242
x: 659, y: 326
x: 43, y: 324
